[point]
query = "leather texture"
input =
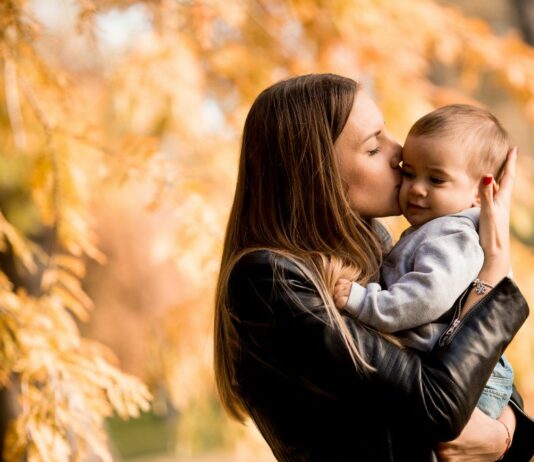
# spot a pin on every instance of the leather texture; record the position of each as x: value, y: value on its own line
x: 311, y: 403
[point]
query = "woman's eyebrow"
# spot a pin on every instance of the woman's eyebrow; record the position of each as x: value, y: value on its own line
x: 372, y: 135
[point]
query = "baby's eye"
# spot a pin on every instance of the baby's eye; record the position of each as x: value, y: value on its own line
x: 436, y: 181
x: 407, y: 174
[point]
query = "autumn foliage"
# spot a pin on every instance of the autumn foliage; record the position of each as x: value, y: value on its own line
x: 123, y: 154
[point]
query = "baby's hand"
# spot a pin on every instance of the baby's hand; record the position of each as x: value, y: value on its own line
x: 341, y: 293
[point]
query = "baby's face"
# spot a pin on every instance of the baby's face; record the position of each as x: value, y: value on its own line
x: 435, y: 180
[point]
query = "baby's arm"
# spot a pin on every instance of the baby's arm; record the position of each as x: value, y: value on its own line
x: 443, y: 268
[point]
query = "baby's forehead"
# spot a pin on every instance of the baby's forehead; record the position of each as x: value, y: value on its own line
x: 437, y: 147
x: 438, y: 152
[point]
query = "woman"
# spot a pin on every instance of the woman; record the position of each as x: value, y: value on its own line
x: 316, y: 168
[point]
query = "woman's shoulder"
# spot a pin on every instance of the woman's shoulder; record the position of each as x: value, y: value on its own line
x: 271, y: 276
x: 266, y: 263
x: 255, y: 258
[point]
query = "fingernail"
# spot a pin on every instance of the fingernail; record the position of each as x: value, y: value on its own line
x: 487, y: 180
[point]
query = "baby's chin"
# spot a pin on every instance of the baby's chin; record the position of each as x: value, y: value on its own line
x: 415, y: 222
x: 420, y: 218
x: 417, y: 219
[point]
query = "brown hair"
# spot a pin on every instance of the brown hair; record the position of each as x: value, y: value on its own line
x: 480, y: 133
x: 290, y: 199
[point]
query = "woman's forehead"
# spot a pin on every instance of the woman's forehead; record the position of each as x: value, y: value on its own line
x: 365, y: 119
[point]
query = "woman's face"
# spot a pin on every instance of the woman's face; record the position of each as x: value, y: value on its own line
x: 368, y: 160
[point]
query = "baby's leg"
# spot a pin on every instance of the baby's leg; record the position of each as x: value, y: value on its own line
x: 498, y: 390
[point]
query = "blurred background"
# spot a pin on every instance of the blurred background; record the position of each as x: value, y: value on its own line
x: 120, y: 124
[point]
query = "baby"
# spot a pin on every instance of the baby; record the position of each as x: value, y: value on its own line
x: 444, y: 158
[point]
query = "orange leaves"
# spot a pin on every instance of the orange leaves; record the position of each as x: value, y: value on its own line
x: 167, y: 116
x: 66, y: 386
x: 22, y: 247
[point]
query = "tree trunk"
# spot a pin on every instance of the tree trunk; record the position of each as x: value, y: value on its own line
x: 525, y: 14
x: 8, y: 412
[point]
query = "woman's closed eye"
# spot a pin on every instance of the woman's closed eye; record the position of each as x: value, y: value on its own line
x: 374, y: 151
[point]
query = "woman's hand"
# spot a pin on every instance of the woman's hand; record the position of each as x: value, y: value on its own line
x: 482, y: 439
x: 494, y: 229
x: 495, y: 218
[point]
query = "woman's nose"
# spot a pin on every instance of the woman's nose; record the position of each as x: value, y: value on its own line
x: 396, y: 156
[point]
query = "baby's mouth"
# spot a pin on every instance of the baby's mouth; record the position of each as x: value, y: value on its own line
x: 413, y: 206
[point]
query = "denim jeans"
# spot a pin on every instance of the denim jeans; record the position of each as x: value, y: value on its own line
x: 498, y: 390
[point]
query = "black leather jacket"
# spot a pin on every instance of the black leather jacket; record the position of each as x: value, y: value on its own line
x: 311, y: 403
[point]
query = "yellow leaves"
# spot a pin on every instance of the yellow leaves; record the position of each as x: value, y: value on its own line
x: 75, y: 265
x: 8, y: 347
x: 62, y: 404
x: 305, y: 10
x: 136, y: 146
x: 516, y: 74
x: 72, y: 284
x: 21, y: 246
x: 121, y: 400
x: 40, y: 343
x: 67, y: 387
x: 76, y: 235
x: 15, y: 442
x: 49, y: 444
x: 13, y: 105
x: 66, y: 286
x: 41, y: 187
x: 72, y: 303
x: 447, y: 49
x: 151, y: 105
x: 158, y: 83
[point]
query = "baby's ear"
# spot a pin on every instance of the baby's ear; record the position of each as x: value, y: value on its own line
x: 476, y: 200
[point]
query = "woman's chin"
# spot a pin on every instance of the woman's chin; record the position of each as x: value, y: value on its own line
x: 394, y: 211
x: 373, y: 210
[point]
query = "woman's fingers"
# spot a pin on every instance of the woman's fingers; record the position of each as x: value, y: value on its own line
x: 486, y: 190
x: 503, y: 190
x: 494, y: 226
x: 482, y: 439
x: 507, y: 182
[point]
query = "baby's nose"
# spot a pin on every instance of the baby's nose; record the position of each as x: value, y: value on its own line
x: 418, y: 188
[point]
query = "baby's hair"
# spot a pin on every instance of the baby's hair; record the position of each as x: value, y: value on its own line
x: 478, y: 132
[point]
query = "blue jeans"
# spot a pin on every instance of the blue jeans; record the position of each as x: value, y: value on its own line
x: 498, y: 390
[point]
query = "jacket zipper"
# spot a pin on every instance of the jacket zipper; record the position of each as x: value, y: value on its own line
x: 456, y: 321
x: 447, y: 334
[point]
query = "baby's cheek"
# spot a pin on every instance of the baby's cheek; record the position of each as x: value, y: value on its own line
x: 403, y: 193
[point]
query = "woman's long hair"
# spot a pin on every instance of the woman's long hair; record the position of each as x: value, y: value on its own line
x: 290, y: 199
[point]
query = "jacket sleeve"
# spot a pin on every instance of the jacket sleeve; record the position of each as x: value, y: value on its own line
x: 289, y: 329
x: 443, y: 267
